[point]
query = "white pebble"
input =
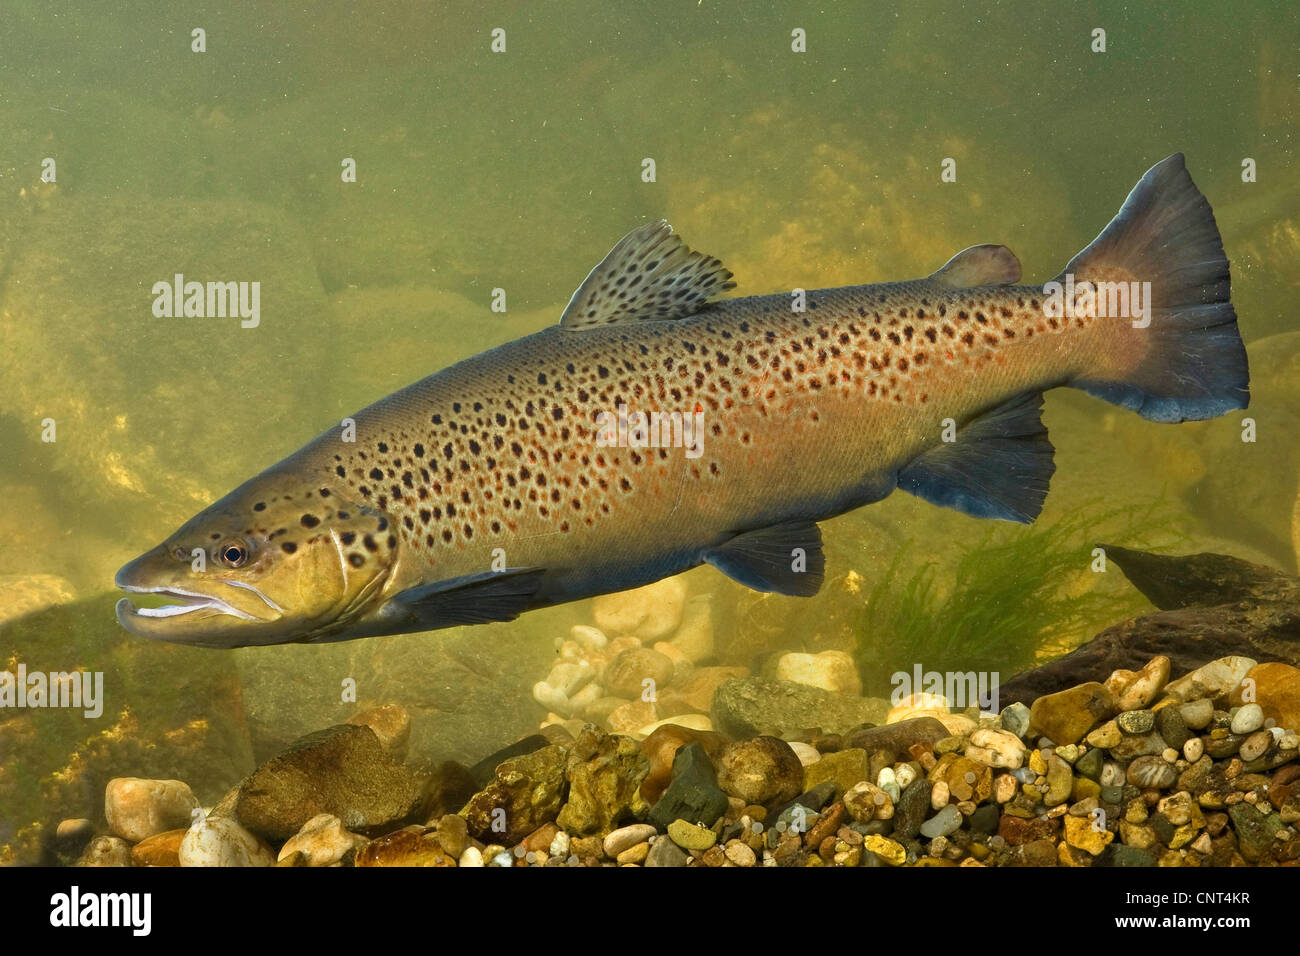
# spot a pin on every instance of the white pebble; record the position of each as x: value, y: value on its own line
x: 1112, y: 774
x: 552, y: 698
x: 592, y: 638
x: 905, y: 775
x: 471, y: 857
x: 1193, y: 749
x: 1248, y: 719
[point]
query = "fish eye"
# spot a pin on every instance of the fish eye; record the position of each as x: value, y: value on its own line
x: 233, y: 553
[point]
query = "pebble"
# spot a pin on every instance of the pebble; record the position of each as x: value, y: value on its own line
x: 161, y: 849
x: 106, y: 851
x: 1193, y: 749
x: 637, y: 674
x: 1151, y: 773
x: 939, y: 795
x: 1066, y: 716
x: 1136, y: 722
x: 137, y: 808
x: 888, y: 782
x: 1172, y: 727
x: 322, y: 841
x: 942, y: 823
x: 996, y: 748
x: 1248, y: 719
x: 762, y: 770
x: 649, y: 612
x: 1216, y: 679
x: 1015, y: 719
x: 1256, y: 745
x: 865, y: 802
x: 688, y: 836
x: 633, y: 854
x: 616, y: 841
x: 1197, y: 714
x: 221, y: 841
x: 391, y: 724
x: 740, y: 854
x: 664, y: 852
x: 472, y: 857
x: 834, y: 671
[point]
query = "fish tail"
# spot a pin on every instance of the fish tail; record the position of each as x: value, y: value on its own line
x: 1180, y: 357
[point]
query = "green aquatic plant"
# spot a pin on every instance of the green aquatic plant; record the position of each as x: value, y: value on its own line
x: 1015, y: 595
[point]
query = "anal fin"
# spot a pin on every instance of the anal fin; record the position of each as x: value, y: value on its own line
x: 474, y: 599
x: 999, y: 466
x: 785, y: 558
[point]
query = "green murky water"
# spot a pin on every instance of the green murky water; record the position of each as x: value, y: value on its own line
x: 517, y: 170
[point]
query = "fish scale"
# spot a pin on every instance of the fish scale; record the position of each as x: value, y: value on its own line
x: 488, y: 489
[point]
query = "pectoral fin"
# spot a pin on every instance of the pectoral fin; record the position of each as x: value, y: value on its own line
x: 785, y: 558
x: 999, y: 466
x: 474, y: 599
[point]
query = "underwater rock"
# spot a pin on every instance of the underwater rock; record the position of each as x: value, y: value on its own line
x: 106, y: 851
x: 693, y: 794
x: 1211, y: 681
x: 526, y: 792
x: 322, y: 841
x: 137, y: 809
x: 625, y: 675
x: 695, y: 693
x: 660, y: 749
x: 161, y: 849
x: 760, y: 771
x: 409, y: 846
x: 1065, y: 717
x: 624, y: 838
x: 391, y: 724
x: 1253, y: 612
x: 664, y: 852
x: 1134, y: 691
x: 753, y: 706
x: 342, y: 770
x: 648, y: 613
x: 185, y: 721
x: 832, y: 671
x: 843, y: 769
x: 1276, y: 691
x: 690, y: 836
x: 485, y: 770
x: 900, y: 737
x: 604, y: 774
x: 214, y: 840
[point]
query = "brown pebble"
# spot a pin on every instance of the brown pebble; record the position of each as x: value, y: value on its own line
x: 161, y: 849
x: 714, y: 856
x: 831, y: 820
x: 539, y: 841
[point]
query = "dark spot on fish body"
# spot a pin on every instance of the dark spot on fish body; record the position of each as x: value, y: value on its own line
x: 260, y: 506
x: 309, y: 521
x: 356, y: 560
x: 288, y: 547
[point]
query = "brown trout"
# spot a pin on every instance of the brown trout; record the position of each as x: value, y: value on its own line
x: 656, y: 428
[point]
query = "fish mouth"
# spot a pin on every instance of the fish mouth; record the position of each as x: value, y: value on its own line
x: 190, y: 602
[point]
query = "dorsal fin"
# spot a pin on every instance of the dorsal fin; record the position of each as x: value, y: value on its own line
x: 979, y: 265
x: 650, y: 275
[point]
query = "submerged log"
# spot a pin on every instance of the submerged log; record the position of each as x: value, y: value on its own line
x: 1212, y: 605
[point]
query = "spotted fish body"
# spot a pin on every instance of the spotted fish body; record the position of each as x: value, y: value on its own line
x: 486, y: 489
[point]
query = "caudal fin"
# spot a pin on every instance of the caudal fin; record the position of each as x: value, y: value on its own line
x: 1189, y: 362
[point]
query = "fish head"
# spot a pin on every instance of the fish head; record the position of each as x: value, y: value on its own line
x: 264, y: 565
